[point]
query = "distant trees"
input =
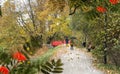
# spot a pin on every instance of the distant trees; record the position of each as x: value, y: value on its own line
x: 35, y: 21
x: 41, y: 21
x: 100, y: 28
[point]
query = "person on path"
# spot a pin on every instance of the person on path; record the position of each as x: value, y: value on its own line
x: 84, y: 44
x: 89, y: 46
x: 72, y: 44
x: 66, y: 41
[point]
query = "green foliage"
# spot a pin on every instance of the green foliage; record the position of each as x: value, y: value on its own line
x: 114, y: 55
x: 52, y: 67
x: 27, y: 48
x: 86, y: 23
x: 98, y: 52
x: 92, y: 14
x: 108, y: 68
x: 5, y: 57
x: 98, y: 28
x: 26, y: 67
x: 56, y: 5
x: 34, y: 65
x: 31, y: 46
x: 45, y: 57
x: 36, y: 41
x: 14, y: 66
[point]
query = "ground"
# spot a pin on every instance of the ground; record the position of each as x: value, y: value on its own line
x: 76, y: 61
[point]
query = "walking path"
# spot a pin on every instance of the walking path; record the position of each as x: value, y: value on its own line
x: 76, y: 61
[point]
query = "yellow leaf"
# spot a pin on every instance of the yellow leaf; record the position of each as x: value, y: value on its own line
x: 28, y: 48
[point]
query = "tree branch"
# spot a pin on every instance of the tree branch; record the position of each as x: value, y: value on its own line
x: 71, y: 13
x: 0, y: 11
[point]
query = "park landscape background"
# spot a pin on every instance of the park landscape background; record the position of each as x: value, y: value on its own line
x: 29, y: 26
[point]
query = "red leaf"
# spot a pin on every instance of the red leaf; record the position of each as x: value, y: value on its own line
x: 101, y: 9
x: 19, y: 56
x: 113, y: 1
x: 4, y: 70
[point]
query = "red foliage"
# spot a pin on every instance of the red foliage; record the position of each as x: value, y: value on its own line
x: 4, y: 70
x: 56, y: 43
x: 101, y: 9
x: 113, y: 1
x: 19, y: 56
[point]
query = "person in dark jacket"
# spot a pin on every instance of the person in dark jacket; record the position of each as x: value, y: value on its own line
x: 66, y: 41
x: 84, y: 44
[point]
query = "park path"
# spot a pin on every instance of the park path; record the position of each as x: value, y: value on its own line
x: 76, y: 61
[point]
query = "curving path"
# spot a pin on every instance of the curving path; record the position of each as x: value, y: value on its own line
x: 76, y: 62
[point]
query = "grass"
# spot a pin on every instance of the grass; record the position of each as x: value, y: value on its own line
x: 108, y: 68
x: 45, y: 57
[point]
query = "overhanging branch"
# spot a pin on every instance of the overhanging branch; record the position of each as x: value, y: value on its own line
x: 0, y: 11
x: 71, y: 13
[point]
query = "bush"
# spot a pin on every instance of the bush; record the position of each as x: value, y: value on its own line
x: 36, y: 41
x: 114, y: 54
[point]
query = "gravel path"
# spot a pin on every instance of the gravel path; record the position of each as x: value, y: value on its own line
x: 77, y: 62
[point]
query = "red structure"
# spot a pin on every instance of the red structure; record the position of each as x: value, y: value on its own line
x: 56, y: 43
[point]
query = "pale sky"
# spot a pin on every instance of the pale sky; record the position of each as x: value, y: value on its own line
x: 16, y: 1
x: 2, y: 1
x: 21, y: 4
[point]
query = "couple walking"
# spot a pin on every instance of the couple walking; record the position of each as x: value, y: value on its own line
x: 67, y: 41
